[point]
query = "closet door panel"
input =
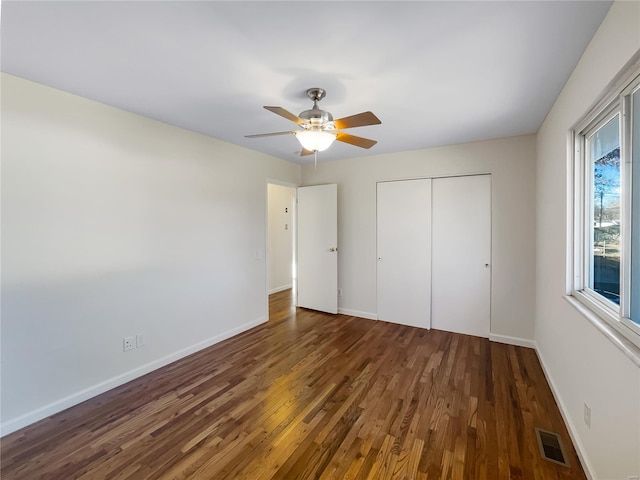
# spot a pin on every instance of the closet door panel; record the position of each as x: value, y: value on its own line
x: 404, y: 252
x: 461, y: 266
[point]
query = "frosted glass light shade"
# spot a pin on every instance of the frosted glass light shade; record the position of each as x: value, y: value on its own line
x: 315, y: 140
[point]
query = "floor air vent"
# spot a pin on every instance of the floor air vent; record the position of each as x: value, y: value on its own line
x: 551, y: 447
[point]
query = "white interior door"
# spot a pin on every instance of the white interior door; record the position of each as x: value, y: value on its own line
x: 318, y: 248
x: 404, y: 252
x: 461, y: 264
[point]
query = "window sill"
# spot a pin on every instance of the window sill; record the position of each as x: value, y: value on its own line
x: 619, y: 340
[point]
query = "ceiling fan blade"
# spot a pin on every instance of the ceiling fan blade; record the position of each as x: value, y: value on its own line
x: 304, y: 152
x: 357, y: 141
x: 286, y: 114
x: 358, y: 120
x: 290, y: 132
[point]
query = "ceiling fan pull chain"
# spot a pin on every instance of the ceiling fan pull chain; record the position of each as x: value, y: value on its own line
x: 315, y: 159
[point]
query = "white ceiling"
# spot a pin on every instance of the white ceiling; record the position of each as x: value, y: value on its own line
x: 435, y: 73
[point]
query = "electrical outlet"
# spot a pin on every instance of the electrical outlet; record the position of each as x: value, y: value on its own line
x: 140, y: 340
x: 587, y: 415
x: 128, y: 343
x: 339, y: 292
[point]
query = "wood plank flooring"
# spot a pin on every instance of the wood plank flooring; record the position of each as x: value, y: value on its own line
x: 311, y: 396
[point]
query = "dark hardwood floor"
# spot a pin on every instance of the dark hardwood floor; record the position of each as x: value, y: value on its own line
x: 308, y: 396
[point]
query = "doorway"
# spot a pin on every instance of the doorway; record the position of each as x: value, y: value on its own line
x: 281, y: 229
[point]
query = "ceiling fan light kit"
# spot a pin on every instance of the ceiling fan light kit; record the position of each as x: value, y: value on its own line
x: 315, y: 140
x: 319, y: 130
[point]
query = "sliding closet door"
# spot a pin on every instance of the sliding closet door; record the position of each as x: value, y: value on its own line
x: 461, y: 265
x: 404, y: 252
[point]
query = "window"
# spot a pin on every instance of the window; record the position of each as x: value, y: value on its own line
x: 634, y: 244
x: 606, y: 207
x: 603, y: 155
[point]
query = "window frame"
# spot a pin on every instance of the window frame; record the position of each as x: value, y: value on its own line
x: 617, y: 101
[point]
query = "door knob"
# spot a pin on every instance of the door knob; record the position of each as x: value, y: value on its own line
x: 332, y: 249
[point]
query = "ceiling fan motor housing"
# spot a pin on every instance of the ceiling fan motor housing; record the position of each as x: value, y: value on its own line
x: 316, y: 117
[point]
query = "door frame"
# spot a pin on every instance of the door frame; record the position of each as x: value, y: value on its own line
x: 294, y: 232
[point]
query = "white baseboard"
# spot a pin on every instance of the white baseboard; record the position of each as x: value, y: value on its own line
x: 586, y: 465
x: 22, y: 421
x: 520, y: 342
x: 356, y: 313
x: 279, y: 289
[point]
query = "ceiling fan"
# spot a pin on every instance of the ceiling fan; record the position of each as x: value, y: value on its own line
x: 319, y: 129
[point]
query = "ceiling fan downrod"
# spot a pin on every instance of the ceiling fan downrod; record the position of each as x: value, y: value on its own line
x: 316, y: 116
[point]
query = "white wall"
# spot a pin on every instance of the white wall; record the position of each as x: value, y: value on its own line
x: 114, y: 224
x: 511, y: 162
x: 280, y: 236
x: 581, y: 363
